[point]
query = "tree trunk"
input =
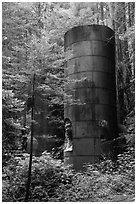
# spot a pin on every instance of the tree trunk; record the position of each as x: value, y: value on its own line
x: 31, y: 143
x: 112, y: 10
x: 102, y: 13
x: 97, y: 7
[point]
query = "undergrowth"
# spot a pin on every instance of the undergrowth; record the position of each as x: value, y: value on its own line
x: 52, y: 181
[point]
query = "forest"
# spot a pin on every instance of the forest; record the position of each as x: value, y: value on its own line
x: 33, y: 45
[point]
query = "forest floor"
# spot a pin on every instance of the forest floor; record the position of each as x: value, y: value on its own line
x: 115, y: 198
x: 113, y: 186
x: 123, y: 198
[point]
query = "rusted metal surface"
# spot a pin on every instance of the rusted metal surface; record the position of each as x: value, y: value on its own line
x: 91, y: 74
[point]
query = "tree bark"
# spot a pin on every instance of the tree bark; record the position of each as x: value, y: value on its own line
x: 31, y: 143
x: 102, y: 13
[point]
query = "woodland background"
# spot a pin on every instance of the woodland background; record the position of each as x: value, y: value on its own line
x: 33, y: 41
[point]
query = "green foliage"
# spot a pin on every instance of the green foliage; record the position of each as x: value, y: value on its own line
x: 47, y: 175
x: 27, y: 47
x: 103, y: 180
x: 11, y: 110
x: 51, y: 181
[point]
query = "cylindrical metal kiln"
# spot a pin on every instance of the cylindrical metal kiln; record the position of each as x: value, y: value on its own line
x: 91, y: 74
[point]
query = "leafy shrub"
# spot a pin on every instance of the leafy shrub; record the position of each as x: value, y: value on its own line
x: 47, y: 174
x: 52, y: 181
x: 101, y: 181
